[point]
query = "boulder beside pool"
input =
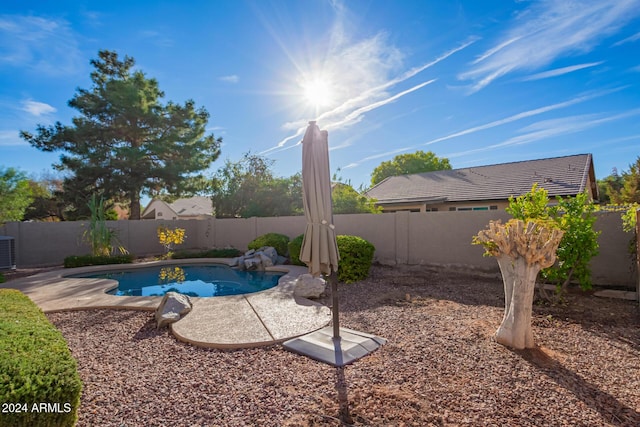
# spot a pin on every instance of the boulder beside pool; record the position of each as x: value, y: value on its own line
x: 308, y: 286
x: 173, y: 307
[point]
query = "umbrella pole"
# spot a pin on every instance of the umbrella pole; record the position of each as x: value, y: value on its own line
x: 333, y: 278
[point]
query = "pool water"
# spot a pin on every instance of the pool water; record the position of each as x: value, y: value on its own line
x: 192, y: 280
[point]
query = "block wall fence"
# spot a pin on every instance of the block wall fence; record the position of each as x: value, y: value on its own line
x: 430, y: 238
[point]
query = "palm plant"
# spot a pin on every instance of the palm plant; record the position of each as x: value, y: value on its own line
x: 98, y: 235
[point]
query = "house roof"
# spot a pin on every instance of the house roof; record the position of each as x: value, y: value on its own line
x: 560, y: 176
x: 193, y: 206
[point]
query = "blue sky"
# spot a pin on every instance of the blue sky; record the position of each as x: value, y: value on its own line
x: 478, y: 82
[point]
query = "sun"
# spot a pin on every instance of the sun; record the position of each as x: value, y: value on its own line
x: 317, y: 92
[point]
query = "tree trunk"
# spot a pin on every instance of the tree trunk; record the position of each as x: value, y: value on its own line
x: 515, y: 330
x: 134, y: 207
x: 507, y: 268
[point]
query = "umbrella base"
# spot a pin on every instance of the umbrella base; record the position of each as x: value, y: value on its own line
x: 321, y: 346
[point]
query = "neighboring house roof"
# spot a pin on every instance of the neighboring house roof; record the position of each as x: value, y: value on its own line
x: 560, y: 176
x: 190, y: 207
x: 193, y: 206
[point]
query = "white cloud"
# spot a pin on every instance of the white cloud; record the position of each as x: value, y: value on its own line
x: 510, y: 119
x: 629, y: 39
x: 230, y: 79
x: 361, y: 74
x: 551, y: 128
x: 10, y: 138
x: 520, y: 116
x: 47, y: 46
x: 158, y: 38
x: 561, y: 71
x: 37, y: 109
x: 549, y: 30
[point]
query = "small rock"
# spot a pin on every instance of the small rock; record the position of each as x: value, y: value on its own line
x: 308, y: 286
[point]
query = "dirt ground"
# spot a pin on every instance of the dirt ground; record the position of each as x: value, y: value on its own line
x: 440, y: 366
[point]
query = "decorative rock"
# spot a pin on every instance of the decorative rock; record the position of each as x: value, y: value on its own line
x: 172, y: 308
x: 253, y: 264
x: 271, y: 252
x: 308, y: 286
x: 265, y: 259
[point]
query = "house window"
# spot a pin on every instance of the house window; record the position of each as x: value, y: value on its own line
x: 471, y: 208
x: 493, y: 208
x: 159, y: 214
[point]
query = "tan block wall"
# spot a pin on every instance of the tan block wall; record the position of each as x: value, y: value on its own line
x: 435, y: 238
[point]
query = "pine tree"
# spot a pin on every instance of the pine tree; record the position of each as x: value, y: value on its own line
x: 126, y: 142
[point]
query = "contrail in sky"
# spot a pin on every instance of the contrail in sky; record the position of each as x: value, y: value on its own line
x: 350, y: 109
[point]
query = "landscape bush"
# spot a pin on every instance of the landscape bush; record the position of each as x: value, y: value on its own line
x: 278, y: 241
x: 36, y: 367
x: 356, y: 257
x: 209, y: 253
x: 2, y: 279
x: 575, y: 217
x: 295, y: 246
x: 84, y: 260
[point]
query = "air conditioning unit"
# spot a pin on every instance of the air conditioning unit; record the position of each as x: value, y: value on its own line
x: 7, y: 253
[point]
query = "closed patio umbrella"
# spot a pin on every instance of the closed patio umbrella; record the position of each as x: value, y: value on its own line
x: 319, y: 247
x: 320, y: 252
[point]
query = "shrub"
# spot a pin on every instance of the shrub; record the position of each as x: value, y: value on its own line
x: 2, y: 279
x: 210, y: 253
x: 84, y: 260
x: 100, y: 237
x: 169, y: 237
x: 36, y: 366
x: 575, y: 217
x: 294, y: 250
x: 277, y: 241
x: 356, y: 256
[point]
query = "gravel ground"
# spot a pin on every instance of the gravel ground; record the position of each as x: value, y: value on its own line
x: 440, y: 366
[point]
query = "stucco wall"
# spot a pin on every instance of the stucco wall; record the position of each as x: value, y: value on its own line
x: 441, y: 238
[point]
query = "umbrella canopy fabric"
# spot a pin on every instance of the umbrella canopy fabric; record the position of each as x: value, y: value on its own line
x: 319, y: 247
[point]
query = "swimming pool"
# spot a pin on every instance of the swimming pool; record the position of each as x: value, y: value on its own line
x: 208, y: 280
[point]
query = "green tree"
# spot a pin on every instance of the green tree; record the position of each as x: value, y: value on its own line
x: 575, y: 217
x: 403, y: 164
x: 126, y: 142
x: 249, y: 188
x: 610, y: 187
x: 631, y: 183
x: 16, y: 194
x: 346, y: 200
x: 47, y: 204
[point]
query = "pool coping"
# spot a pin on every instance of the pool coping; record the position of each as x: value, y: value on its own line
x: 237, y: 321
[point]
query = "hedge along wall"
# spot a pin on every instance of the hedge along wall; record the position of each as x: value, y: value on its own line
x: 437, y: 238
x: 39, y: 381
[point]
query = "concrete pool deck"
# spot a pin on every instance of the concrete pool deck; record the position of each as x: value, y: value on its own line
x: 236, y: 321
